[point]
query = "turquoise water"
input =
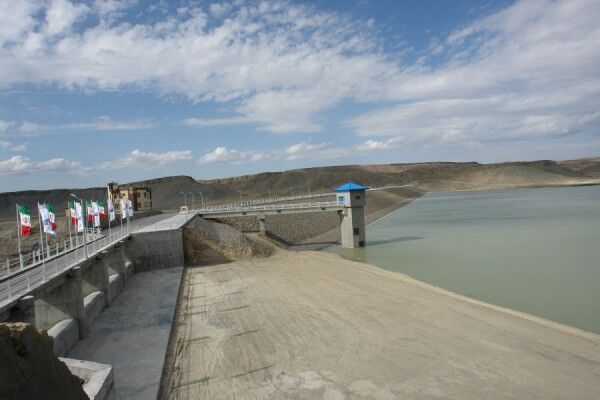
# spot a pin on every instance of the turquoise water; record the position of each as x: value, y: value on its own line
x: 532, y: 250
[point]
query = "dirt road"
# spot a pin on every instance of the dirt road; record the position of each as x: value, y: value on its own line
x: 314, y: 326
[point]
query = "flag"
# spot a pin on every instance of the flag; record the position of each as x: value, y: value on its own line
x: 90, y: 211
x: 101, y: 209
x: 96, y: 213
x: 45, y: 217
x: 25, y: 220
x: 51, y: 216
x: 73, y: 213
x: 123, y: 209
x: 79, y: 214
x: 111, y: 211
x: 129, y: 208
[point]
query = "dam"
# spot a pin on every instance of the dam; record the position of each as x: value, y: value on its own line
x: 257, y: 321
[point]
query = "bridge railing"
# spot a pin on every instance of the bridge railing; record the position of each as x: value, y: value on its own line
x: 234, y: 208
x: 15, y: 264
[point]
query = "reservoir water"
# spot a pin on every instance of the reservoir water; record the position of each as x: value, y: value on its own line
x: 532, y: 250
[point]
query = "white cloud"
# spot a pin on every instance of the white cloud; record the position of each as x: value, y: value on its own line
x: 225, y: 155
x: 371, y: 145
x: 298, y: 151
x: 12, y: 146
x: 215, y: 121
x: 103, y: 123
x: 19, y: 165
x: 528, y: 72
x: 4, y: 125
x: 281, y: 63
x: 138, y: 158
x: 61, y: 14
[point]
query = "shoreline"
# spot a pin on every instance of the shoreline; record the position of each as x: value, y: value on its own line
x: 563, y: 328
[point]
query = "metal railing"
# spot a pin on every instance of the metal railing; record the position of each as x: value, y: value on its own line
x: 15, y: 265
x: 237, y: 208
x: 20, y: 282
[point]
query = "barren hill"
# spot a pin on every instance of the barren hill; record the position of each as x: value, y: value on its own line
x: 432, y: 176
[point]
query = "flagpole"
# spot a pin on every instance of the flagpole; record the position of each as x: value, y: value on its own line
x: 70, y: 220
x: 109, y: 232
x: 41, y: 231
x: 46, y: 236
x: 19, y: 237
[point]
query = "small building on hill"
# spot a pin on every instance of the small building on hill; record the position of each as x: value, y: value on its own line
x: 140, y: 196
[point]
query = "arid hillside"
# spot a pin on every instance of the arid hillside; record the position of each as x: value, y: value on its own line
x: 166, y: 192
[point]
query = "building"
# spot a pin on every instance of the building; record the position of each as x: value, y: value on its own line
x: 352, y: 197
x: 140, y: 196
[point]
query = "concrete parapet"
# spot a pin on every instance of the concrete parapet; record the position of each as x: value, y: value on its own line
x: 93, y: 305
x: 156, y: 250
x: 98, y: 379
x: 65, y: 335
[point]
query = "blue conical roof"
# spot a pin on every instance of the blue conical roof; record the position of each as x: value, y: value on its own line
x: 350, y: 187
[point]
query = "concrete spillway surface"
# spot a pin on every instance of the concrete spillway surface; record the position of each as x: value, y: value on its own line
x: 133, y: 333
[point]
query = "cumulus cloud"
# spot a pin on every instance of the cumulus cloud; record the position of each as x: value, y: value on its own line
x: 19, y: 165
x: 298, y: 151
x: 281, y: 63
x: 138, y: 158
x: 528, y: 72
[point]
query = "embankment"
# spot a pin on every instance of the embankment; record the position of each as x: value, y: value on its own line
x: 312, y: 325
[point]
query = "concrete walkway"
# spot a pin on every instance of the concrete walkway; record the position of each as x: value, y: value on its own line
x: 175, y: 221
x: 132, y: 335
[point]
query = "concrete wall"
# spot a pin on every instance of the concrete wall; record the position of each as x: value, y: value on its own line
x: 156, y: 250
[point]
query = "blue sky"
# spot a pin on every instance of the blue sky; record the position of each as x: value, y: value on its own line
x: 95, y: 91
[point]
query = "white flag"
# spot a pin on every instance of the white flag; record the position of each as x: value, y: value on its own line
x: 123, y: 209
x: 79, y: 213
x: 96, y: 212
x: 111, y: 211
x: 129, y: 208
x: 45, y: 217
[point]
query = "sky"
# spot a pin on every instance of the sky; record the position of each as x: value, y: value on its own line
x: 95, y: 91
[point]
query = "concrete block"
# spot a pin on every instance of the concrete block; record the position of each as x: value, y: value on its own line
x: 98, y: 379
x: 65, y: 335
x: 93, y: 304
x: 115, y: 285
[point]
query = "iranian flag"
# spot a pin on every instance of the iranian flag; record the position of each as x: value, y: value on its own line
x: 72, y: 213
x: 90, y: 211
x: 25, y: 220
x: 51, y: 216
x: 101, y: 209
